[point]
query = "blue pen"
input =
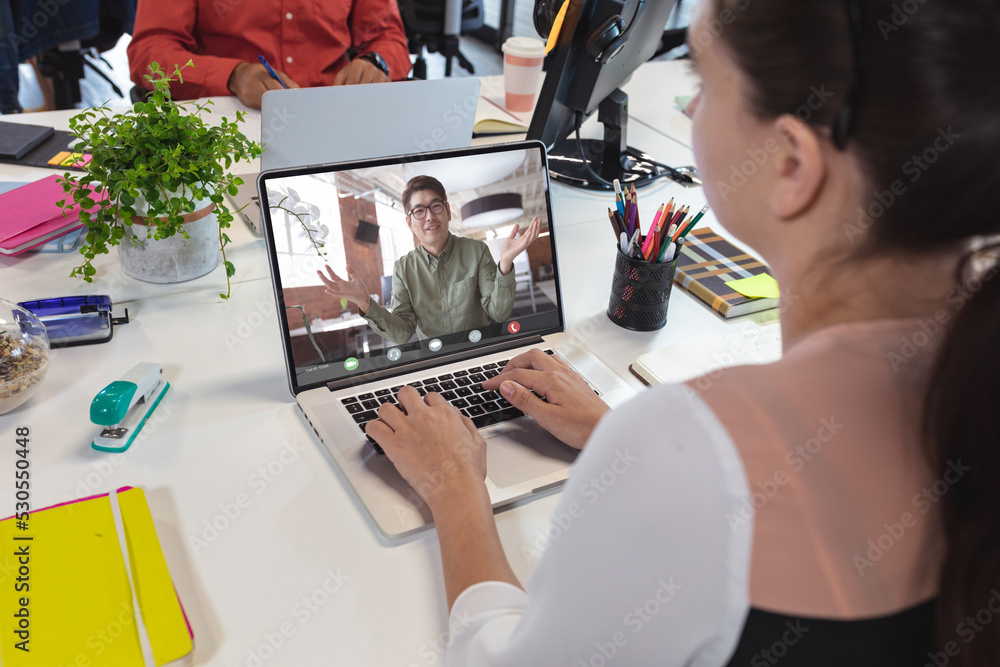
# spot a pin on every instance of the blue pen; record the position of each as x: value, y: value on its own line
x: 263, y: 61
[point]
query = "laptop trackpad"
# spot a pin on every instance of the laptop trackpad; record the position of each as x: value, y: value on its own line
x: 517, y: 455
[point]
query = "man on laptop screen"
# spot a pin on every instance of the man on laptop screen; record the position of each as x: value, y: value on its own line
x: 342, y: 363
x: 381, y: 266
x: 447, y: 284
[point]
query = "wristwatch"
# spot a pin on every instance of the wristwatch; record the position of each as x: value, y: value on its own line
x: 377, y: 60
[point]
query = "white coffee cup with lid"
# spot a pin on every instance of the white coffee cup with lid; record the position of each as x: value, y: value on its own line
x: 522, y: 69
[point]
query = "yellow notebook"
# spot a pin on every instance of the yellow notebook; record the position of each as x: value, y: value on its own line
x: 66, y: 595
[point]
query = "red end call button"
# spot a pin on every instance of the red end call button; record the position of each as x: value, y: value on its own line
x: 514, y: 327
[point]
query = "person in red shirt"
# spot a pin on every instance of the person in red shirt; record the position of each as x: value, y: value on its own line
x: 306, y: 43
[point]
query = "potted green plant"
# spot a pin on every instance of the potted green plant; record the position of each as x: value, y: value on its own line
x: 154, y: 185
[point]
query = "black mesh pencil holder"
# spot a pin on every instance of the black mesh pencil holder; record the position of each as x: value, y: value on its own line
x: 640, y: 292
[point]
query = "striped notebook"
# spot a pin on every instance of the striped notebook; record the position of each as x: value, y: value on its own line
x: 707, y: 262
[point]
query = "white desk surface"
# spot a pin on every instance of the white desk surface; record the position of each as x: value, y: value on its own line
x: 228, y: 433
x: 652, y: 90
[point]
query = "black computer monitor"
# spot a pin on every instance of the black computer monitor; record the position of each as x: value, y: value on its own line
x: 600, y: 44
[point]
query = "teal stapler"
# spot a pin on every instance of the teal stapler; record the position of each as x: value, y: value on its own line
x: 124, y: 406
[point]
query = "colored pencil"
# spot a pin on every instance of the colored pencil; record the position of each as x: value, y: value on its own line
x: 695, y: 221
x: 658, y: 216
x: 614, y: 224
x: 635, y: 203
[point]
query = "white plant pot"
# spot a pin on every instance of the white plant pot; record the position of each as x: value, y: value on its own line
x: 175, y: 259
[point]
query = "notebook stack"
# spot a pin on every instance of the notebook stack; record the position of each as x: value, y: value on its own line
x: 30, y: 216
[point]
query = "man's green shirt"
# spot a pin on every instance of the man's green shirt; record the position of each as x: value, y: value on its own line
x: 459, y: 290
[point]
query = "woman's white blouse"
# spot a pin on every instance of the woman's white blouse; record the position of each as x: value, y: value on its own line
x: 648, y: 552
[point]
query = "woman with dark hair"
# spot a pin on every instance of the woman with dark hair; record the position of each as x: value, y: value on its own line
x: 840, y: 506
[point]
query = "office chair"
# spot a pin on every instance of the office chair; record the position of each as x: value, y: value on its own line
x: 436, y: 26
x: 65, y: 63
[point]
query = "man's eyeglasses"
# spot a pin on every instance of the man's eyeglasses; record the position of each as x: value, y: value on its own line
x: 420, y: 212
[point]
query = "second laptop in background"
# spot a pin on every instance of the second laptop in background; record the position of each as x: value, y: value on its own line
x: 306, y: 126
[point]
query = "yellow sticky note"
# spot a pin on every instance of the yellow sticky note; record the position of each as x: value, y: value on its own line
x: 57, y: 159
x: 556, y: 28
x: 760, y: 286
x: 71, y: 160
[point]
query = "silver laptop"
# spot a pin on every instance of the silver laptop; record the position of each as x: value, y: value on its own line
x: 341, y: 370
x: 304, y: 126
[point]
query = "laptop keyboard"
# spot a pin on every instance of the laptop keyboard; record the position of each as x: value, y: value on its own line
x: 463, y: 389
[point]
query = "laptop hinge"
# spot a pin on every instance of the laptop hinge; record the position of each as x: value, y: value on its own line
x: 434, y: 362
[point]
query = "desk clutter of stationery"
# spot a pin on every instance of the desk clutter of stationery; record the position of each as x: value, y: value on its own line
x: 227, y: 409
x: 729, y: 280
x: 645, y: 264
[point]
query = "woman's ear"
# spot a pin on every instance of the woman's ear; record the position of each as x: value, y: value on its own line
x: 801, y: 168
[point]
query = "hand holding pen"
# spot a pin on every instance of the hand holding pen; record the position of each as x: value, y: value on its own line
x: 249, y: 81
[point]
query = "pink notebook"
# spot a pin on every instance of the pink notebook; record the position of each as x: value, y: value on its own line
x: 30, y: 216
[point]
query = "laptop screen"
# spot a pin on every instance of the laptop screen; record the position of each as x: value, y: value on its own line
x: 384, y: 266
